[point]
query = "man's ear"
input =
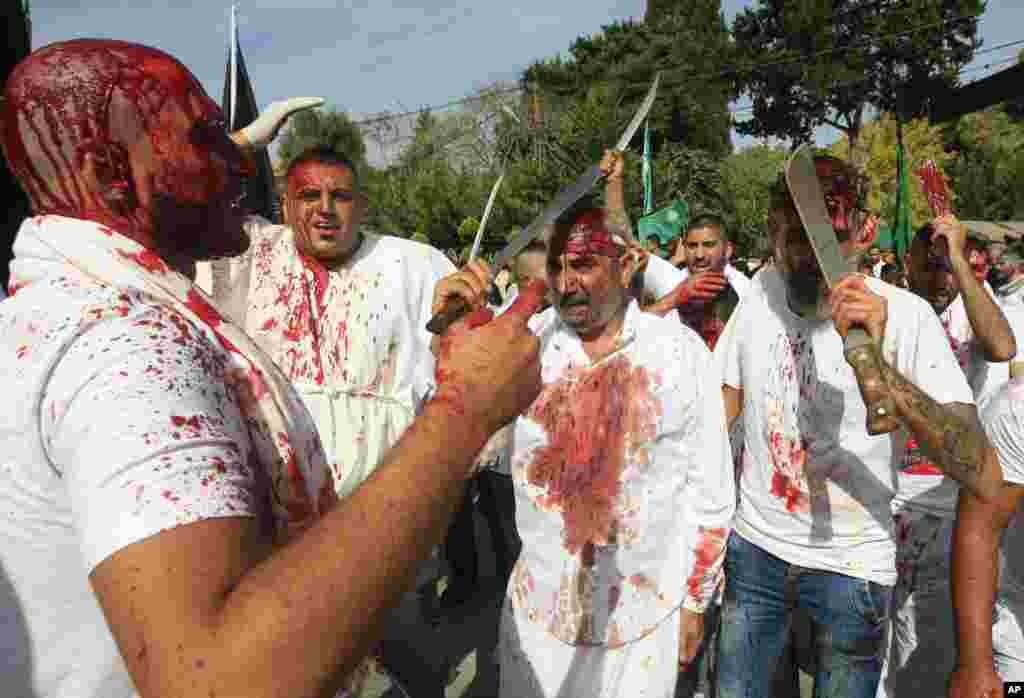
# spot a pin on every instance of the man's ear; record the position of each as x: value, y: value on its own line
x: 106, y: 171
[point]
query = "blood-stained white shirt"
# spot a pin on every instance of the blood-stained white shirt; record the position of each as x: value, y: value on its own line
x: 352, y: 340
x: 116, y: 424
x: 815, y: 488
x: 623, y: 480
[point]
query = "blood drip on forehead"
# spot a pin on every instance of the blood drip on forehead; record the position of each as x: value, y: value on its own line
x: 313, y: 174
x: 837, y: 181
x: 62, y: 100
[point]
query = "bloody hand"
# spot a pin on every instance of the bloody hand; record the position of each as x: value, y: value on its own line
x: 488, y: 370
x: 700, y: 288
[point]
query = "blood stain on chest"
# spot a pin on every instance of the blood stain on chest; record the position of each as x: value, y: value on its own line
x: 594, y: 418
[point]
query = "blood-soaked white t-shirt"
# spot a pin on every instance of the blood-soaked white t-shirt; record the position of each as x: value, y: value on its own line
x: 115, y: 424
x: 814, y: 488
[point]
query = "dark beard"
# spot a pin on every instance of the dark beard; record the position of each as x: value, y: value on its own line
x: 804, y: 289
x: 195, y: 232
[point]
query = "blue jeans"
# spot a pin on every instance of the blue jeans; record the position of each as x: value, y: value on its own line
x: 761, y: 593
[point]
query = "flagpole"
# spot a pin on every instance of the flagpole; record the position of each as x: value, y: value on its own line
x: 233, y: 49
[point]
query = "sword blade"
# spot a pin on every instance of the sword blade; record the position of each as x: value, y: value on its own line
x: 809, y: 198
x: 483, y: 221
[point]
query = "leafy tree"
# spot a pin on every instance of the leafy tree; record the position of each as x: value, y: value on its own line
x: 806, y: 63
x: 688, y: 42
x: 878, y: 138
x: 747, y: 178
x: 988, y: 169
x: 319, y: 127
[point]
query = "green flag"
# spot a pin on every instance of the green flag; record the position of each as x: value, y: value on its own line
x: 666, y: 223
x: 902, y: 228
x: 648, y: 171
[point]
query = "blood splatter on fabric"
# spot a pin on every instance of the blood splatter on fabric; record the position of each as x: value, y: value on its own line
x: 593, y: 417
x: 710, y: 544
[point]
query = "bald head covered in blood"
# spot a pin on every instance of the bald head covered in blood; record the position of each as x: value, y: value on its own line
x: 589, y: 271
x: 124, y: 135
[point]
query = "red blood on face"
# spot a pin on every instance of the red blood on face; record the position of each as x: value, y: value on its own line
x: 593, y: 420
x: 89, y: 119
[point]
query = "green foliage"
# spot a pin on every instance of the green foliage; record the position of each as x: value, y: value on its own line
x: 878, y: 147
x: 688, y: 42
x: 988, y: 171
x: 747, y: 178
x: 319, y: 127
x: 806, y: 63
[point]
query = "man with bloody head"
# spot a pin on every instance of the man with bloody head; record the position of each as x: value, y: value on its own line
x: 341, y: 311
x: 813, y: 530
x: 623, y: 489
x: 170, y: 526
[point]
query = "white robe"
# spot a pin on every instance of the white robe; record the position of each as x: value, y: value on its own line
x: 353, y: 340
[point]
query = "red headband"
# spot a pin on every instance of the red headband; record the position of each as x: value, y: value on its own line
x: 589, y: 235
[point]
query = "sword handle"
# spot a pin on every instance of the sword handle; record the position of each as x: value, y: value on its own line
x: 862, y: 355
x: 452, y: 313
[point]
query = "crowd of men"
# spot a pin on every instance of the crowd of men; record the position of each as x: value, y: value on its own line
x: 221, y: 478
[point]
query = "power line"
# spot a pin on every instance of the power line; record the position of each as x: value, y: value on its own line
x: 795, y: 59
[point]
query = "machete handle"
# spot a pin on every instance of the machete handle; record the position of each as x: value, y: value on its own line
x: 452, y: 313
x: 862, y: 354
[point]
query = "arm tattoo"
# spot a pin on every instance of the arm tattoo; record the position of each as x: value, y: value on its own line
x: 951, y: 438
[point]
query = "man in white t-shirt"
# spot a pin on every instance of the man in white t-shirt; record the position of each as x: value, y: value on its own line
x: 988, y: 563
x: 813, y: 527
x: 943, y: 271
x: 709, y: 288
x: 705, y: 248
x: 168, y: 526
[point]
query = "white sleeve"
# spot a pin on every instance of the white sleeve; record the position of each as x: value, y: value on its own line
x: 710, y: 485
x: 137, y: 419
x: 660, y: 277
x: 727, y: 363
x: 925, y: 357
x: 1003, y: 420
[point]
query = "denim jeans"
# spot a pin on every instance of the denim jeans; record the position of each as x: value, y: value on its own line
x: 761, y: 594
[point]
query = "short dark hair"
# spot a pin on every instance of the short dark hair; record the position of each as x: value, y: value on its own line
x: 889, y: 268
x: 325, y: 154
x: 708, y: 220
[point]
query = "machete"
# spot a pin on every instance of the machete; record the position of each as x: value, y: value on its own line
x: 565, y: 198
x: 860, y: 351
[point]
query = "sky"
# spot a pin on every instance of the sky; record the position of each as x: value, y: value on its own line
x: 370, y: 56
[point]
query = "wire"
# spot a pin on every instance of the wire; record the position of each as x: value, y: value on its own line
x: 801, y: 58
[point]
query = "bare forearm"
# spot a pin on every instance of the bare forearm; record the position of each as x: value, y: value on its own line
x: 615, y: 201
x: 991, y: 330
x: 975, y: 578
x: 315, y: 605
x: 952, y: 441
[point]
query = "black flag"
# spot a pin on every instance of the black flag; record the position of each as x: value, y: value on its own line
x: 16, y: 206
x: 240, y: 110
